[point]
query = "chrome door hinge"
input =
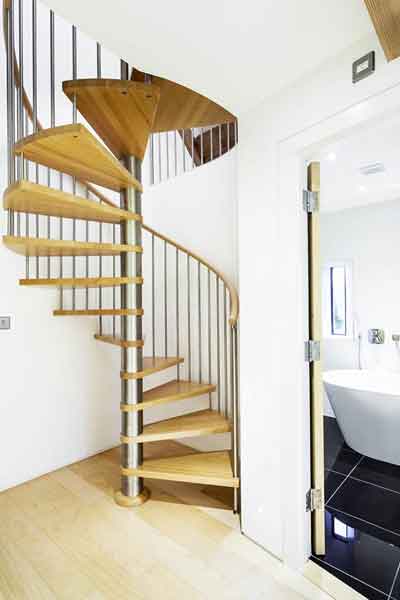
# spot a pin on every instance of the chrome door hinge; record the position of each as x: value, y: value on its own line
x: 310, y: 201
x: 312, y: 351
x: 314, y: 500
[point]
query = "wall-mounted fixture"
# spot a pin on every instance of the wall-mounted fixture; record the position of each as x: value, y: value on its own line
x: 364, y: 66
x: 396, y: 337
x: 5, y: 323
x: 376, y: 336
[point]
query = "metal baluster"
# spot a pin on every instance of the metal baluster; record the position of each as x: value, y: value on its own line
x: 152, y: 159
x: 217, y: 286
x: 175, y: 155
x: 34, y: 102
x: 189, y: 317
x: 52, y: 115
x: 209, y: 332
x: 74, y: 120
x: 114, y: 289
x: 183, y: 151
x: 159, y: 159
x: 100, y: 296
x: 167, y: 151
x: 153, y: 297
x: 202, y: 146
x: 225, y: 353
x: 165, y: 302
x: 177, y: 310
x: 199, y: 317
x: 236, y: 131
x: 10, y: 84
x: 20, y: 124
x: 235, y: 414
x: 61, y: 185
x: 87, y: 258
x: 192, y: 143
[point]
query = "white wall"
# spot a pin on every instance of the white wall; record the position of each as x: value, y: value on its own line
x: 368, y: 237
x: 273, y: 282
x: 60, y: 390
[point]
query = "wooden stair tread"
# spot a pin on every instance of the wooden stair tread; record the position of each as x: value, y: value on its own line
x: 74, y: 150
x: 33, y: 198
x: 90, y: 282
x: 117, y: 341
x: 95, y: 312
x: 204, y: 422
x: 170, y: 392
x: 45, y: 247
x: 181, y: 108
x: 208, y: 468
x: 121, y: 112
x: 153, y: 365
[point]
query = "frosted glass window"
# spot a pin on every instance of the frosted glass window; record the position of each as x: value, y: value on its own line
x: 338, y: 300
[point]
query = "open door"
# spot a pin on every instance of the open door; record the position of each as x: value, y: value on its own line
x: 317, y: 499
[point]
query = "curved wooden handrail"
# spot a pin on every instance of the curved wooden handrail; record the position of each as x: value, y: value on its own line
x: 233, y: 295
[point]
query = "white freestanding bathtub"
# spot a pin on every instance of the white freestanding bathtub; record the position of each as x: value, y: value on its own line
x: 367, y: 408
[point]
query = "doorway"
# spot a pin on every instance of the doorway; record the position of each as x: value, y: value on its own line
x: 354, y: 275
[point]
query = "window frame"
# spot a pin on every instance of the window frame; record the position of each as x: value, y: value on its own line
x: 327, y: 297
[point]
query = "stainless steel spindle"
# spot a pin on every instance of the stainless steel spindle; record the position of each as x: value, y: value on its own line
x: 61, y: 233
x: 199, y: 319
x: 74, y: 120
x: 114, y: 275
x: 167, y: 151
x: 52, y: 114
x: 217, y: 286
x: 165, y: 302
x: 225, y: 352
x: 10, y: 106
x: 152, y: 159
x: 209, y: 330
x: 183, y: 151
x: 177, y: 309
x: 87, y: 232
x: 175, y: 154
x: 20, y: 126
x: 100, y: 292
x: 189, y: 319
x: 202, y: 146
x: 34, y: 103
x: 159, y: 159
x: 153, y: 298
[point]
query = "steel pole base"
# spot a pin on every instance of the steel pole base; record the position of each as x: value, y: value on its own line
x: 129, y: 501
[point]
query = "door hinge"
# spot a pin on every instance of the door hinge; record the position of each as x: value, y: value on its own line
x: 312, y: 351
x: 314, y: 500
x: 310, y: 201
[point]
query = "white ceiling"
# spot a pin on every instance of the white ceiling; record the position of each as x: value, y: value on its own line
x: 342, y: 184
x: 236, y: 52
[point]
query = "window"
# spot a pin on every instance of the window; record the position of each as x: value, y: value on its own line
x: 336, y: 299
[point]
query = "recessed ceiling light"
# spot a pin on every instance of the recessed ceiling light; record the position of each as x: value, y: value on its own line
x: 331, y: 156
x: 372, y: 168
x: 362, y: 188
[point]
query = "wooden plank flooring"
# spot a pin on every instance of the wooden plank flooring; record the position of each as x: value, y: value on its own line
x: 63, y: 537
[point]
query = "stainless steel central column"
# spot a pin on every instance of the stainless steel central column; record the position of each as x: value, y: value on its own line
x: 132, y: 491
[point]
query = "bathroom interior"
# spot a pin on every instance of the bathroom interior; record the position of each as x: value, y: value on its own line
x: 360, y: 353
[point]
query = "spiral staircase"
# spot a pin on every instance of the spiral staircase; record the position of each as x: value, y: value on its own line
x: 123, y: 114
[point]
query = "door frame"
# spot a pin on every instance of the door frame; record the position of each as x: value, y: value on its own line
x: 294, y: 153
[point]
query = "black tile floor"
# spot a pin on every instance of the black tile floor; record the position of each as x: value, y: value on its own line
x: 362, y: 519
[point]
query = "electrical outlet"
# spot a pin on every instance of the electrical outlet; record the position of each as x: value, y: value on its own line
x: 5, y: 323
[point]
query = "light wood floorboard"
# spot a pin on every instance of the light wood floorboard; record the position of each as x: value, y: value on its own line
x: 63, y: 537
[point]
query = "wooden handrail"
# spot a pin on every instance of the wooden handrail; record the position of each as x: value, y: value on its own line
x: 233, y: 296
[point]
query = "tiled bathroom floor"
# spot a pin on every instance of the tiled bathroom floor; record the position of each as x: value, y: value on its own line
x: 362, y: 519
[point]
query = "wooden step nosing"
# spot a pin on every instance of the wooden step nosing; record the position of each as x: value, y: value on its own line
x: 200, y: 391
x: 140, y: 374
x: 91, y: 282
x: 176, y: 435
x: 136, y: 312
x: 231, y: 482
x: 118, y: 342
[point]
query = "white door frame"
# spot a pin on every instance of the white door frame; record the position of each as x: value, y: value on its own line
x: 293, y: 153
